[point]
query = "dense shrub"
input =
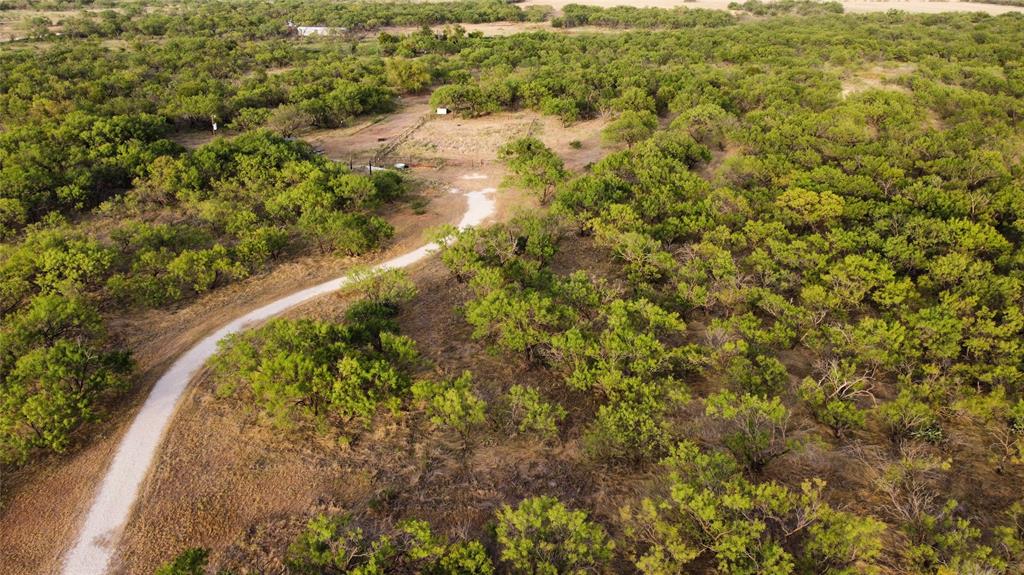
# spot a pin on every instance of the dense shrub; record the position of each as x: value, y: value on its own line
x: 309, y: 369
x: 541, y: 535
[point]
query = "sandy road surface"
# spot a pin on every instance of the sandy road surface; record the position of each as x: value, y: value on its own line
x: 99, y: 534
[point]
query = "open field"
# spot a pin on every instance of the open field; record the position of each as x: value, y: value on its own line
x: 503, y: 29
x: 11, y: 21
x: 415, y: 135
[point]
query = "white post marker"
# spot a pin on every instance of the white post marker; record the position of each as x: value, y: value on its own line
x: 119, y: 489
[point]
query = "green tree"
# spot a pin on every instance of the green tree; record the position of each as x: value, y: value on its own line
x: 466, y: 99
x: 189, y: 562
x: 708, y: 124
x: 388, y: 287
x: 406, y: 76
x: 532, y: 414
x: 836, y: 396
x: 289, y: 120
x: 54, y: 369
x: 798, y: 206
x: 713, y: 512
x: 910, y: 417
x: 304, y: 368
x: 540, y: 536
x: 631, y: 127
x: 254, y: 118
x: 634, y: 99
x: 347, y: 233
x: 451, y: 403
x: 516, y: 321
x: 754, y: 429
x: 534, y: 166
x: 337, y: 544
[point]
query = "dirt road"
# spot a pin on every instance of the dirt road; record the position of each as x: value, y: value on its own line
x: 47, y: 505
x: 110, y: 510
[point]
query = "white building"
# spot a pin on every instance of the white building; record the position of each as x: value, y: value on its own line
x: 314, y: 30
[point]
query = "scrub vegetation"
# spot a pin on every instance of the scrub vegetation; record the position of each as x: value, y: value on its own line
x: 779, y: 323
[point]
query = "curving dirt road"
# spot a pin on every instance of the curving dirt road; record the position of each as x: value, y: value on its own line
x: 99, y: 534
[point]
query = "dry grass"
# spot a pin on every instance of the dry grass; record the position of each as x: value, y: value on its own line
x: 11, y: 21
x: 230, y: 480
x: 362, y: 141
x: 878, y: 77
x: 452, y: 138
x: 192, y: 139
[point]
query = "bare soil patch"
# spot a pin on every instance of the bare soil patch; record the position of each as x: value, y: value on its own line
x: 11, y: 26
x: 192, y: 139
x: 356, y: 143
x: 503, y: 28
x: 11, y: 21
x: 456, y: 139
x: 878, y: 77
x: 361, y: 142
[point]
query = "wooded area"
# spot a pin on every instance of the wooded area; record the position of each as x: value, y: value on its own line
x: 796, y: 340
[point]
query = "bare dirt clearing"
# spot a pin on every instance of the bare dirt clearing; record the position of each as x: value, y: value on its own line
x: 456, y: 139
x: 361, y: 142
x: 12, y: 22
x: 502, y: 29
x: 417, y: 136
x: 880, y: 77
x: 356, y: 143
x: 192, y: 139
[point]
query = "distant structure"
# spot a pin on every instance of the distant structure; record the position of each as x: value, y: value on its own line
x: 315, y: 30
x: 443, y: 111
